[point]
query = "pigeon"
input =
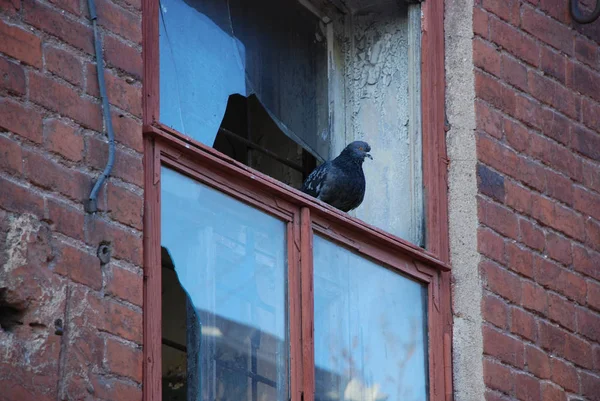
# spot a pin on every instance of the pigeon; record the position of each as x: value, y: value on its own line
x: 340, y: 182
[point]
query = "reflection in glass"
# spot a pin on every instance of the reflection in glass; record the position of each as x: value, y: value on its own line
x: 274, y: 49
x: 370, y: 330
x: 231, y: 260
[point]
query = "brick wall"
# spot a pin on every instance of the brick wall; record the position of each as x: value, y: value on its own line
x: 71, y: 326
x: 537, y: 85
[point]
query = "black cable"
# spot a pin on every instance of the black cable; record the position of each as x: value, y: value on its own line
x: 91, y: 205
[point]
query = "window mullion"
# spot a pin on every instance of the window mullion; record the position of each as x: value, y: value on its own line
x: 307, y: 279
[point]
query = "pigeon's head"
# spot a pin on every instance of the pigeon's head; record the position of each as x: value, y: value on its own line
x: 358, y: 150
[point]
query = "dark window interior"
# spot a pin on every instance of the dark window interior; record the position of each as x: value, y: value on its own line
x: 249, y: 135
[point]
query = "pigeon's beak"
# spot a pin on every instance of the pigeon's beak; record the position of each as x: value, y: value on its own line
x: 369, y: 156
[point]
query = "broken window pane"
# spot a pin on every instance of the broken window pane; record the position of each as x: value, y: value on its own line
x: 370, y: 329
x: 231, y: 261
x: 276, y: 50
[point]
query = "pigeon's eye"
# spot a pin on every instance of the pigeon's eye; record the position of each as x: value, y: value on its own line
x: 361, y: 148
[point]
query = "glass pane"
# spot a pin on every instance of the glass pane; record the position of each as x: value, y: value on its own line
x: 275, y: 50
x: 231, y: 261
x: 370, y: 329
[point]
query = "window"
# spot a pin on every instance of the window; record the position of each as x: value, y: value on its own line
x: 265, y: 293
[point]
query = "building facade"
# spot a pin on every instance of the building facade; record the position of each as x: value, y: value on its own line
x: 493, y: 154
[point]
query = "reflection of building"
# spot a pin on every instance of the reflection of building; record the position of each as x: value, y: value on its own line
x: 243, y: 360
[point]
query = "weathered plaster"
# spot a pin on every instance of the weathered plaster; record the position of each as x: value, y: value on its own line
x: 462, y: 181
x: 380, y: 44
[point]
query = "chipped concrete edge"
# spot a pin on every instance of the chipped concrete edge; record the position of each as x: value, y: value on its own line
x: 462, y: 197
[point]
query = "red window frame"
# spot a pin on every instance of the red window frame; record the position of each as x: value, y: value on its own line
x: 304, y: 215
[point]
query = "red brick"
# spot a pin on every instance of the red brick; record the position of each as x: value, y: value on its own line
x: 529, y: 111
x: 593, y: 294
x: 486, y: 56
x: 64, y: 64
x: 20, y: 119
x: 559, y: 187
x: 127, y: 167
x: 531, y: 173
x: 549, y: 92
x: 20, y: 44
x: 555, y: 126
x: 56, y: 177
x: 587, y: 202
x: 59, y: 24
x: 119, y: 20
x: 543, y: 209
x: 507, y: 10
x: 494, y: 92
x: 491, y: 395
x: 61, y: 98
x: 123, y: 95
x: 591, y: 113
x: 12, y: 77
x: 128, y: 131
x: 590, y: 385
x: 587, y: 52
x: 496, y: 155
x: 555, y: 155
x: 499, y: 218
x: 523, y: 324
x: 125, y: 285
x: 592, y: 233
x: 490, y: 244
x: 586, y: 142
x: 537, y: 362
x: 584, y: 80
x: 495, y: 311
x: 63, y: 139
x: 548, y: 30
x: 80, y: 266
x: 579, y: 352
x: 124, y: 359
x: 497, y: 376
x: 69, y: 5
x: 10, y: 7
x: 480, y: 22
x: 586, y: 261
x: 515, y: 41
x: 125, y: 206
x: 569, y: 222
x: 588, y: 323
x: 554, y: 64
x: 531, y: 235
x: 67, y: 219
x: 558, y: 10
x: 564, y: 374
x: 123, y: 321
x: 552, y: 338
x: 518, y: 197
x: 516, y: 135
x: 501, y: 281
x: 562, y: 311
x: 514, y: 72
x: 123, y: 56
x: 597, y: 358
x: 127, y: 243
x: 553, y: 276
x: 11, y: 158
x: 490, y: 183
x: 19, y: 199
x: 551, y: 392
x: 519, y: 260
x: 508, y: 349
x: 527, y: 388
x: 559, y: 248
x: 108, y: 388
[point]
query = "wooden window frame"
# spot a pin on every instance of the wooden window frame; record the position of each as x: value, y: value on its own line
x: 304, y: 216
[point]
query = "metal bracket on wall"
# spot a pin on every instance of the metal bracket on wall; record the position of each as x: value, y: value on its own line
x: 578, y: 15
